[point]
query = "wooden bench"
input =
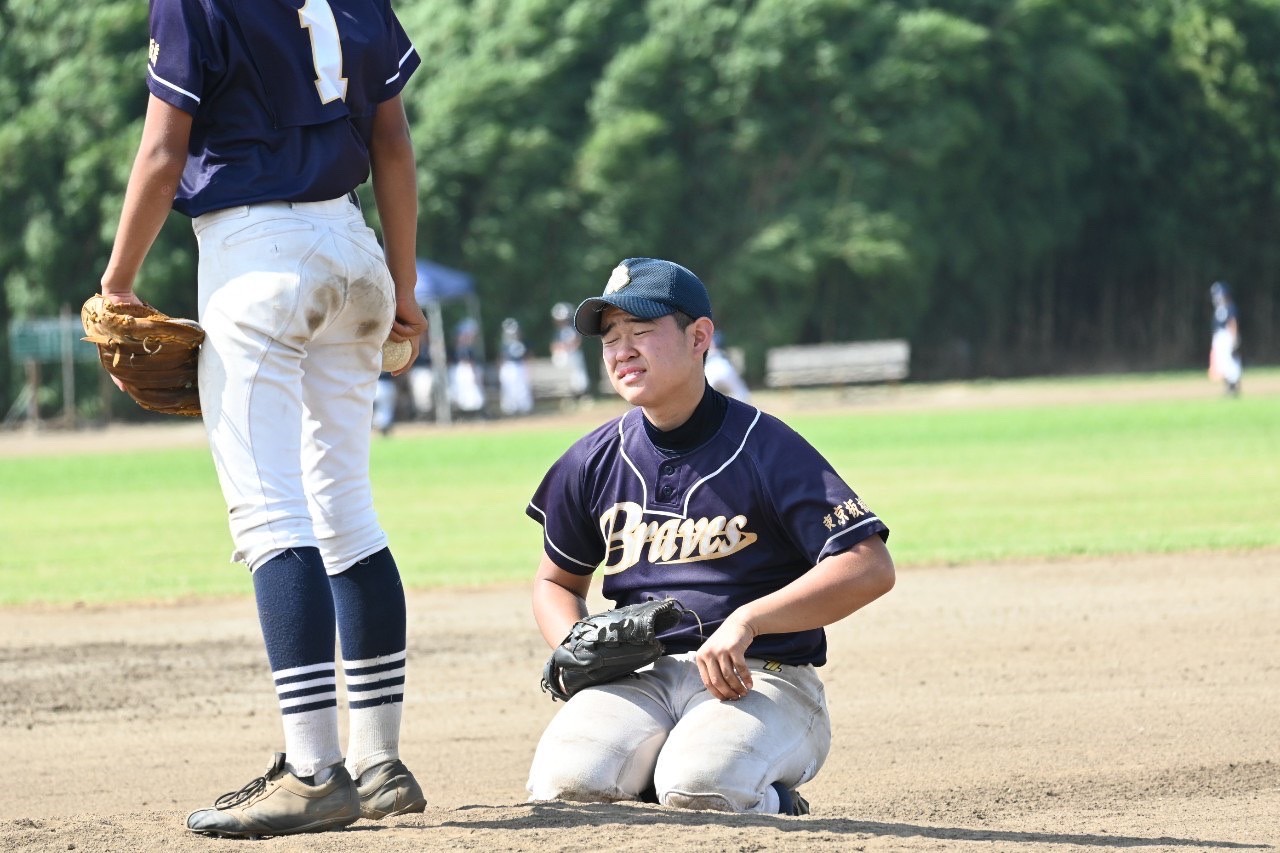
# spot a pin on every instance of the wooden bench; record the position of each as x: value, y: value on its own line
x: 549, y: 381
x: 837, y: 364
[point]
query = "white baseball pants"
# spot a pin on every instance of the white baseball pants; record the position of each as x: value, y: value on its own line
x: 1223, y: 356
x: 609, y: 743
x: 295, y: 300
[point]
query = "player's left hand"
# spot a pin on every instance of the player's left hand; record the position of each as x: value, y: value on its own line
x: 722, y: 660
x: 408, y: 325
x: 121, y: 297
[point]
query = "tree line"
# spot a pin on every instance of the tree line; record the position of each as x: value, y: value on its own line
x: 1016, y: 186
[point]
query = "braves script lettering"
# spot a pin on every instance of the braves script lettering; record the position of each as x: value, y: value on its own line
x: 676, y: 540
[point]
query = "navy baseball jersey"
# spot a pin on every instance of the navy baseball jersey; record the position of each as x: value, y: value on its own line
x: 514, y: 349
x: 727, y: 522
x: 1223, y: 313
x: 282, y: 93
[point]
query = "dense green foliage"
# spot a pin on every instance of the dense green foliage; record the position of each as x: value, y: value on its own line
x: 1019, y: 187
x: 955, y: 486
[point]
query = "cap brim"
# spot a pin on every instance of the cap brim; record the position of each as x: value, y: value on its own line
x: 587, y: 318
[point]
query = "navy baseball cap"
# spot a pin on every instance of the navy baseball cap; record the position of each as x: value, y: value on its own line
x: 647, y: 288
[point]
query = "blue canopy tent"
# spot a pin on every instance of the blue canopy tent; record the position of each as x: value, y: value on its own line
x: 438, y: 284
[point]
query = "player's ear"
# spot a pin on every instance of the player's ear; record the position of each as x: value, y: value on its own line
x: 702, y: 329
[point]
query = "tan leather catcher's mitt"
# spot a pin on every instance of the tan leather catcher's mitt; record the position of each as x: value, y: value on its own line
x: 154, y: 356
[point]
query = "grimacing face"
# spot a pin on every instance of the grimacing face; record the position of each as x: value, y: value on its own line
x: 650, y: 362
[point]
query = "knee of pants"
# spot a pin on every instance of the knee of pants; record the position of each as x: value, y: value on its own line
x: 590, y: 770
x: 581, y: 781
x: 719, y: 789
x: 704, y: 802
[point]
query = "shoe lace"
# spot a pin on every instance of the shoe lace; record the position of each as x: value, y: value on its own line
x: 237, y: 798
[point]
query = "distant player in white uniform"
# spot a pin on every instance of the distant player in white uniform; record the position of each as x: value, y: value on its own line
x: 1225, y: 365
x: 263, y: 119
x: 466, y: 376
x: 722, y: 375
x: 695, y: 496
x: 515, y: 392
x: 385, y: 402
x: 566, y: 349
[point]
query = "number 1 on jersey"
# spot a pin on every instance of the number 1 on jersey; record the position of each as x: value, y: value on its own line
x: 317, y: 19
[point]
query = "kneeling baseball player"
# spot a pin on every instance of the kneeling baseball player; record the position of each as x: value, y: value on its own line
x: 730, y: 523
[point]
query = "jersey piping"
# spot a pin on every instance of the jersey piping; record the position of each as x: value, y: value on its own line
x: 547, y: 536
x: 872, y: 520
x: 736, y: 453
x: 167, y: 84
x: 684, y: 511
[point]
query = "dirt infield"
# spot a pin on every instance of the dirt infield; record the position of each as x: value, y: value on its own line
x: 1081, y: 705
x: 1084, y: 705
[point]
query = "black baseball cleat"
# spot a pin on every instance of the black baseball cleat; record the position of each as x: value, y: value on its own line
x: 789, y: 801
x: 279, y: 803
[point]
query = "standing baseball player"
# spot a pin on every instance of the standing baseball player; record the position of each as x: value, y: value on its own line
x: 1224, y: 349
x: 695, y: 496
x: 263, y: 118
x: 515, y: 387
x: 566, y: 348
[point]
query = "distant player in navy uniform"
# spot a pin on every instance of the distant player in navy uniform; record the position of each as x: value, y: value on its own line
x: 695, y: 496
x: 1225, y: 365
x: 263, y: 119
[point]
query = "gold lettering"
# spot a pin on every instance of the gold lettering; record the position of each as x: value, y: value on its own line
x: 623, y: 539
x: 690, y: 536
x: 664, y: 547
x: 708, y: 544
x: 733, y: 533
x: 676, y: 540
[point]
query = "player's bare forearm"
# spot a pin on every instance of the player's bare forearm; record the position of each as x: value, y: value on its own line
x: 395, y: 189
x: 827, y: 593
x: 559, y: 600
x: 149, y: 194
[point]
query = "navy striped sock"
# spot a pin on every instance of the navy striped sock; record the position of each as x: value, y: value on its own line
x: 369, y: 600
x: 295, y: 609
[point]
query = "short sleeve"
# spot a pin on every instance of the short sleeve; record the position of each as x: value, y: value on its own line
x: 407, y: 60
x: 179, y: 52
x: 560, y: 505
x: 818, y: 510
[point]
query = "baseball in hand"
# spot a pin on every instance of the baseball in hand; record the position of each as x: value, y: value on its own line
x: 395, y: 355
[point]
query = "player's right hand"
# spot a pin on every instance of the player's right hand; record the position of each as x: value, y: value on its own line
x: 722, y: 661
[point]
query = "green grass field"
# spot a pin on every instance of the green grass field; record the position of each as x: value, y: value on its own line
x: 955, y: 485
